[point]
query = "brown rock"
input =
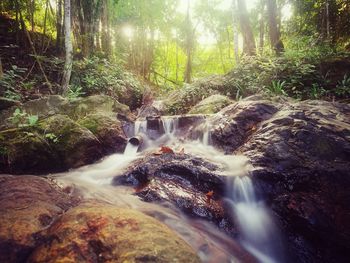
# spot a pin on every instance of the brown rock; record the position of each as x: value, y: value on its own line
x: 96, y: 232
x: 28, y: 205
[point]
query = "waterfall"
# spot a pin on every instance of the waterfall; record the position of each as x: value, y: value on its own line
x: 130, y: 149
x: 258, y: 232
x: 170, y: 126
x: 206, y: 140
x: 140, y: 127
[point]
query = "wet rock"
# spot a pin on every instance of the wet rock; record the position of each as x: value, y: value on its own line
x: 28, y: 205
x: 233, y: 125
x: 108, y: 130
x: 26, y: 152
x: 76, y: 109
x: 148, y: 111
x: 190, y: 183
x: 76, y: 145
x: 98, y: 232
x: 301, y: 156
x: 211, y: 105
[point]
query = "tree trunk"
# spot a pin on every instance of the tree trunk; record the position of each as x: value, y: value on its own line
x: 246, y: 30
x: 68, y: 46
x: 189, y: 46
x: 59, y: 26
x: 262, y: 27
x: 274, y: 32
x: 235, y: 30
x: 44, y: 32
x: 105, y: 35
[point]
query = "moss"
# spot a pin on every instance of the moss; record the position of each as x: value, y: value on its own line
x: 211, y: 105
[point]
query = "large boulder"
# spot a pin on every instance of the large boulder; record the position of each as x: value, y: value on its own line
x: 192, y: 184
x: 75, y: 109
x: 76, y: 145
x: 300, y: 152
x: 107, y: 129
x: 211, y: 105
x: 98, y: 232
x: 232, y: 126
x: 23, y: 151
x: 28, y: 205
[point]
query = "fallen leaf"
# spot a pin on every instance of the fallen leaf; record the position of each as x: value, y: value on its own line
x: 165, y: 149
x: 209, y: 195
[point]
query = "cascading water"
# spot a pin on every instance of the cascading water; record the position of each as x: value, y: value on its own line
x: 256, y: 228
x: 206, y: 140
x: 140, y: 127
x: 258, y: 232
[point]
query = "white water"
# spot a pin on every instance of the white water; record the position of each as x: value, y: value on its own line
x: 256, y: 228
x: 258, y: 232
x: 130, y: 149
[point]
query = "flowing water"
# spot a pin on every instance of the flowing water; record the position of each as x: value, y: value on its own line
x: 258, y: 234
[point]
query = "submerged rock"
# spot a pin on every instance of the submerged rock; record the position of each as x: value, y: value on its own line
x: 190, y: 183
x: 28, y: 205
x: 98, y: 232
x: 211, y: 105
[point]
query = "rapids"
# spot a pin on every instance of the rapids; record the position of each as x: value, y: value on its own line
x: 258, y: 233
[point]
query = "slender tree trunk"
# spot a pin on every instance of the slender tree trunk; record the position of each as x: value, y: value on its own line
x: 274, y: 32
x: 59, y: 26
x: 45, y: 18
x: 246, y: 30
x: 68, y: 46
x: 235, y: 31
x: 262, y: 27
x: 189, y: 46
x: 105, y: 35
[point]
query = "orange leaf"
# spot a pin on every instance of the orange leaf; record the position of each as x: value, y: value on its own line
x: 210, y: 194
x: 165, y: 149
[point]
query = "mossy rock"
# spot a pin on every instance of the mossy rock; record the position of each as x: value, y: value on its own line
x: 210, y: 105
x: 76, y: 145
x: 26, y: 152
x: 76, y: 109
x: 96, y: 103
x: 28, y: 205
x: 108, y: 131
x: 98, y: 232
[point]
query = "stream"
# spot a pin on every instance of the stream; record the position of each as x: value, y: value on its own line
x: 258, y: 234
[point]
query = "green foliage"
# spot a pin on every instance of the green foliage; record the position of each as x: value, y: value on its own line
x: 75, y: 92
x: 22, y: 119
x: 52, y: 137
x: 343, y: 87
x: 10, y: 80
x: 97, y: 75
x: 277, y: 87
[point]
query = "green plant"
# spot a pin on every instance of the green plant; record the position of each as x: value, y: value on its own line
x: 343, y: 87
x: 75, y: 92
x: 316, y: 91
x: 3, y: 150
x: 22, y: 119
x: 51, y: 137
x: 277, y: 87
